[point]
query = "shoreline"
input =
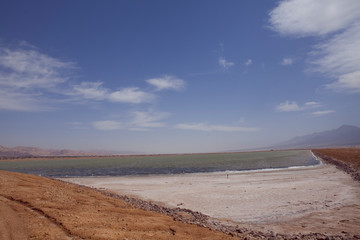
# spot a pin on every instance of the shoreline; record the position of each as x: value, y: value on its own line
x: 46, y: 208
x: 244, y: 162
x: 292, y: 197
x: 33, y: 207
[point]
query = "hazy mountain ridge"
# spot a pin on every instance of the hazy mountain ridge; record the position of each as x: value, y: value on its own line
x: 345, y: 135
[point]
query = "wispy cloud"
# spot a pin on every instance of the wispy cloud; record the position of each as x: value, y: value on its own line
x: 339, y: 58
x: 108, y: 125
x: 95, y: 91
x: 149, y: 119
x: 292, y: 106
x: 77, y: 125
x: 11, y: 99
x: 131, y: 95
x: 28, y: 76
x: 136, y: 121
x: 288, y: 106
x: 225, y: 64
x: 349, y: 81
x: 209, y: 128
x: 313, y: 18
x: 90, y: 90
x: 287, y: 61
x: 322, y: 113
x: 32, y: 81
x: 167, y: 83
x: 28, y: 68
x: 248, y: 62
x: 337, y: 55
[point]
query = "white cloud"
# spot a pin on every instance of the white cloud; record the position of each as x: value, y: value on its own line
x: 313, y: 18
x: 312, y: 104
x: 136, y: 121
x: 95, y: 91
x: 287, y: 61
x: 28, y: 76
x: 291, y: 106
x: 248, y: 62
x: 107, y: 125
x: 130, y: 95
x: 288, y: 106
x: 224, y: 63
x: 28, y: 68
x: 167, y: 83
x: 322, y: 113
x: 209, y: 128
x: 18, y: 101
x: 337, y: 55
x: 148, y: 119
x: 91, y: 90
x: 339, y: 58
x: 349, y: 81
x: 32, y: 81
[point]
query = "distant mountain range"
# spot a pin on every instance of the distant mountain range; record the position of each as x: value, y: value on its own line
x: 343, y: 136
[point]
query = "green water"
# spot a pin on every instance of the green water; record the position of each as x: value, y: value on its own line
x: 162, y: 164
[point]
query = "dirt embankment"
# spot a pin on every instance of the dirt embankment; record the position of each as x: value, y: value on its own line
x: 33, y: 207
x: 346, y: 159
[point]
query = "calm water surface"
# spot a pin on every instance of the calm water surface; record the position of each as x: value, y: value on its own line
x: 139, y: 165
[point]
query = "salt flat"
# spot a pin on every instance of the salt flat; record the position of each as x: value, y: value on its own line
x: 319, y: 198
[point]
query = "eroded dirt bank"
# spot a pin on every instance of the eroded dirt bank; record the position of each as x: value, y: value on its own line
x: 33, y: 207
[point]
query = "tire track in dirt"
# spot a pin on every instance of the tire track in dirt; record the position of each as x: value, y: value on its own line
x: 44, y: 214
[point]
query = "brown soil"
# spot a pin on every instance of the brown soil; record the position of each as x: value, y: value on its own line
x: 346, y: 159
x: 33, y: 207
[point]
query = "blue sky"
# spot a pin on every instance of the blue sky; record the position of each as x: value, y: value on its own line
x: 176, y: 76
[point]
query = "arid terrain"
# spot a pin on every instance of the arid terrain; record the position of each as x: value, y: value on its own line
x: 33, y: 207
x: 348, y: 156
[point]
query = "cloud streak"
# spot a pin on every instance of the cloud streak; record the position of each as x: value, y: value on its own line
x: 337, y: 54
x: 248, y: 62
x: 209, y: 128
x: 137, y: 121
x: 225, y: 64
x: 287, y: 61
x: 33, y: 81
x: 108, y: 125
x: 167, y: 83
x: 302, y: 18
x: 322, y: 113
x: 28, y: 68
x: 131, y: 95
x: 292, y: 106
x: 339, y: 58
x: 27, y: 77
x: 95, y: 91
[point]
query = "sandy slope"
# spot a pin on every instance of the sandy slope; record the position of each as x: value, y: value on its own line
x: 33, y: 207
x: 313, y: 199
